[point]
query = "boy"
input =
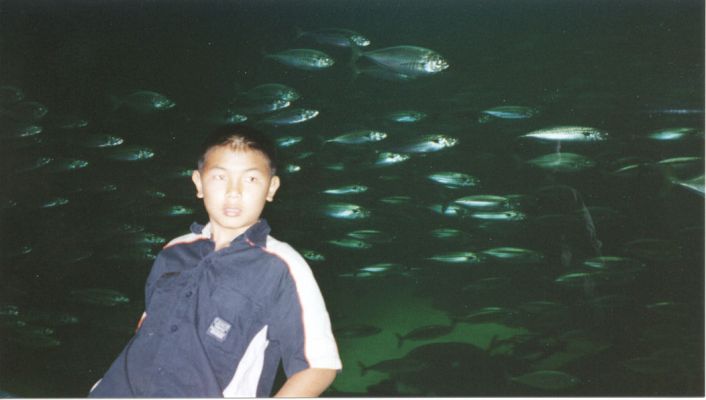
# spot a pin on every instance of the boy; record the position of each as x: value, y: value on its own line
x: 227, y: 302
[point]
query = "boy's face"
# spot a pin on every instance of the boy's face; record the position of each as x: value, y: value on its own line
x: 234, y: 186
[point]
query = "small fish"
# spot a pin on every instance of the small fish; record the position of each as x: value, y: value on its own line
x: 396, y: 200
x: 409, y: 60
x: 336, y: 37
x: 305, y: 59
x: 429, y: 143
x: 346, y: 211
x: 312, y: 255
x: 349, y: 189
x: 514, y: 254
x: 130, y: 153
x: 143, y: 101
x: 695, y: 184
x: 51, y: 318
x: 425, y: 333
x: 454, y: 180
x: 27, y: 111
x: 66, y: 164
x: 577, y: 279
x: 447, y: 233
x: 9, y: 310
x: 36, y: 164
x: 356, y: 331
x: 484, y: 201
x: 20, y: 129
x: 359, y: 137
x: 568, y: 134
x: 669, y: 134
x: 508, y: 112
x: 148, y: 238
x: 288, y: 141
x: 390, y: 158
x: 547, y: 380
x: 509, y: 215
x: 409, y: 116
x: 272, y: 91
x: 55, y: 202
x: 372, y: 235
x: 290, y: 117
x: 486, y: 314
x: 457, y: 257
x: 292, y: 168
x: 451, y: 210
x: 382, y: 269
x: 174, y: 211
x: 99, y: 297
x: 350, y: 243
x: 614, y: 263
x: 100, y: 141
x: 563, y: 162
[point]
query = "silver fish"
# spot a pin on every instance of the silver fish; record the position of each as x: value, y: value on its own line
x: 359, y: 137
x: 456, y: 257
x: 563, y: 162
x: 669, y: 134
x: 429, y: 143
x: 510, y: 215
x: 390, y: 158
x: 346, y: 211
x: 288, y: 141
x: 290, y: 117
x: 272, y: 91
x: 568, y: 134
x: 410, y: 60
x: 406, y: 116
x: 508, y: 112
x: 347, y: 189
x: 483, y: 201
x: 306, y: 59
x: 130, y: 153
x: 454, y: 180
x: 144, y: 101
x: 514, y: 254
x: 101, y: 140
x: 349, y: 243
x: 312, y: 255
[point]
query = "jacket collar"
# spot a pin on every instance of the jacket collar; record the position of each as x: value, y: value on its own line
x: 256, y: 235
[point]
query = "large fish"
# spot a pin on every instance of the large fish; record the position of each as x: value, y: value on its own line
x: 568, y: 134
x: 335, y: 37
x: 306, y: 59
x: 407, y: 60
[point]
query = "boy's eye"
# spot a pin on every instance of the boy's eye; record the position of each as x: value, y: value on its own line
x: 251, y: 179
x: 219, y: 177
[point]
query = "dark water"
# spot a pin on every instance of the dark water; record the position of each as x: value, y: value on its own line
x: 628, y: 326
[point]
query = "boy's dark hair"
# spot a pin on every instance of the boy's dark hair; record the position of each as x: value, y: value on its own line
x: 240, y: 137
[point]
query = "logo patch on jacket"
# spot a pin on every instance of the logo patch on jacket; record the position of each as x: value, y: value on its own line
x: 219, y: 329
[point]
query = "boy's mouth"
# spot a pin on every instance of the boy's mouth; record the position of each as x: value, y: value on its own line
x: 231, y: 211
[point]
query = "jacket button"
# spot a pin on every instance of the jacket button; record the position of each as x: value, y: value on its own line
x: 189, y: 293
x: 174, y: 328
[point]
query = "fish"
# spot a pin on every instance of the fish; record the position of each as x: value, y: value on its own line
x: 508, y: 112
x: 10, y: 95
x: 304, y: 59
x: 173, y: 211
x: 383, y: 268
x: 143, y: 101
x: 614, y: 263
x: 288, y: 141
x: 425, y: 333
x: 27, y: 111
x: 454, y: 180
x: 563, y: 162
x: 456, y: 257
x: 578, y: 279
x: 148, y: 238
x: 292, y: 168
x: 396, y: 200
x: 35, y: 164
x: 379, y: 72
x: 429, y: 143
x: 312, y: 255
x: 335, y: 37
x: 409, y: 60
x: 55, y: 202
x: 447, y: 233
x: 100, y: 141
x: 348, y: 189
x: 272, y: 91
x: 547, y: 380
x: 9, y: 310
x: 346, y: 211
x: 676, y: 133
x: 486, y: 314
x: 406, y: 116
x: 359, y: 136
x: 568, y: 134
x: 514, y: 254
x: 99, y: 297
x: 20, y: 129
x: 130, y: 153
x: 349, y: 243
x: 694, y: 184
x: 372, y: 235
x: 509, y: 215
x: 386, y: 158
x: 290, y: 117
x: 66, y: 164
x: 356, y: 331
x: 50, y: 318
x: 450, y: 210
x: 483, y: 201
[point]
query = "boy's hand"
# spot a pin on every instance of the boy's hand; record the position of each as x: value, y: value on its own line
x: 309, y: 382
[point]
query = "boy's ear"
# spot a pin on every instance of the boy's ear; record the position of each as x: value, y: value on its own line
x: 196, y: 178
x: 274, y: 185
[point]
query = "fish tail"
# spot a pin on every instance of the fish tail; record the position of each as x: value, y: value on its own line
x: 400, y: 339
x: 363, y: 368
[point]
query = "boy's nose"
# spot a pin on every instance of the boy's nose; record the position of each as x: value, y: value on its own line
x: 234, y: 189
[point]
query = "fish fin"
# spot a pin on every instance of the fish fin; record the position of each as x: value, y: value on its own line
x: 400, y: 339
x: 363, y: 368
